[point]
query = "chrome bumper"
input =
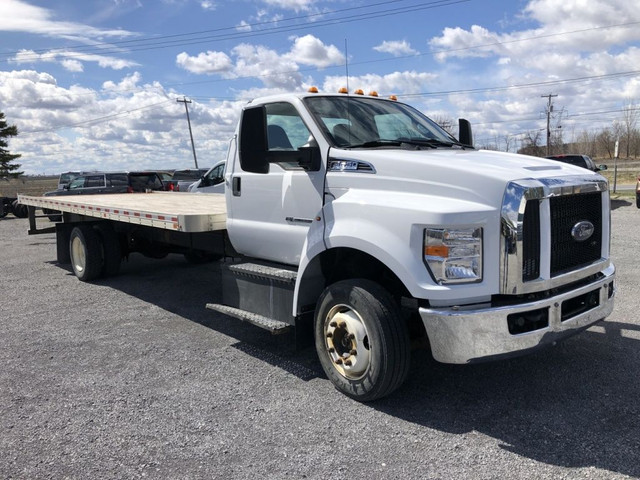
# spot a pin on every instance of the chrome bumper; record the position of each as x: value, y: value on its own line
x: 459, y: 335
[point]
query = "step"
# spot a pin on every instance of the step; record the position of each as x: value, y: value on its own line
x: 276, y: 327
x: 265, y: 272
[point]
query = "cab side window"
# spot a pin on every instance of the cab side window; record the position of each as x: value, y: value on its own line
x: 286, y: 132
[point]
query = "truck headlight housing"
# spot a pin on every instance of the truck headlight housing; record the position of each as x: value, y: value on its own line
x: 454, y: 255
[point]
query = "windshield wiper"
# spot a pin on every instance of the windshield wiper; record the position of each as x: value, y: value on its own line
x: 431, y: 142
x: 376, y: 143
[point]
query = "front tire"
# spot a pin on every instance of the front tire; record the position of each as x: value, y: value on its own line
x: 85, y: 250
x: 361, y: 339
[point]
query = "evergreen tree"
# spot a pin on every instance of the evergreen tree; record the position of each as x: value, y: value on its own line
x: 7, y: 169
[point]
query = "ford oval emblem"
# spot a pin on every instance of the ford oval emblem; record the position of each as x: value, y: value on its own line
x: 582, y: 231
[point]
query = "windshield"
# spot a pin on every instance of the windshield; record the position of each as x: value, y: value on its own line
x: 370, y: 122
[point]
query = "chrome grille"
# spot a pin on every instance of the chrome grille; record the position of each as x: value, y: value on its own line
x: 554, y: 231
x: 566, y: 211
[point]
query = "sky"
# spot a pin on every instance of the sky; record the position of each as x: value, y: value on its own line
x: 95, y: 84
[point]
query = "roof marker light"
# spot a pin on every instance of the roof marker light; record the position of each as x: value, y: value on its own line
x: 313, y: 90
x: 343, y: 90
x: 359, y: 91
x: 373, y: 93
x: 393, y: 97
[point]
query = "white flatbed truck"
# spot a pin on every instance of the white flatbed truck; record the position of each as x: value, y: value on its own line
x: 358, y: 219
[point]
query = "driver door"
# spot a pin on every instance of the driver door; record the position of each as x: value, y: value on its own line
x: 270, y: 212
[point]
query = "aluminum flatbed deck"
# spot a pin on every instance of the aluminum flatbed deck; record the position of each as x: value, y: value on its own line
x: 183, y: 212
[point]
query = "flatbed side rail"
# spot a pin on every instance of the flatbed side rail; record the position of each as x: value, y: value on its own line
x: 127, y: 208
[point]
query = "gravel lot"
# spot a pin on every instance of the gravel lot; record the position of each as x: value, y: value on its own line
x: 132, y: 377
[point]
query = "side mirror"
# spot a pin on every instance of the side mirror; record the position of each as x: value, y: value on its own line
x: 464, y: 132
x: 310, y: 158
x: 253, y: 141
x: 602, y: 167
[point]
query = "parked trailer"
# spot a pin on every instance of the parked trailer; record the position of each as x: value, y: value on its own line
x: 12, y: 205
x: 359, y: 220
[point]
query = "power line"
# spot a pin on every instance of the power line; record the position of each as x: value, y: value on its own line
x: 167, y: 41
x: 98, y: 119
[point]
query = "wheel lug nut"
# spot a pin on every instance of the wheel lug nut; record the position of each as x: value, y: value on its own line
x: 329, y: 334
x: 339, y: 361
x: 348, y: 363
x: 353, y: 352
x: 333, y: 324
x: 343, y: 325
x: 331, y: 349
x: 352, y: 336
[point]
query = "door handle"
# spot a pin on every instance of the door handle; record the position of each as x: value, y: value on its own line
x: 236, y: 184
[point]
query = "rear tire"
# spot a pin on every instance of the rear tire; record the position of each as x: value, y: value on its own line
x: 361, y: 339
x: 111, y: 249
x: 85, y: 250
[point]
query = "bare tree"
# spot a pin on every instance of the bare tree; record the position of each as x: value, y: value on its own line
x: 531, y: 144
x: 587, y: 143
x: 508, y: 141
x: 445, y: 122
x: 606, y: 142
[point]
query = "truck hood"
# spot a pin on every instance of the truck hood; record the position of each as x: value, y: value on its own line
x: 478, y: 176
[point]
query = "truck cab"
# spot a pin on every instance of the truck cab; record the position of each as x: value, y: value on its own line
x: 392, y: 226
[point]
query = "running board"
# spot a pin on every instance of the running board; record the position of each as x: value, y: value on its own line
x: 276, y: 327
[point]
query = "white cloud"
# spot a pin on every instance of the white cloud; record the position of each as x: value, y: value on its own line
x: 309, y: 50
x: 19, y: 16
x: 570, y: 27
x: 273, y: 69
x: 205, y: 63
x: 243, y: 27
x: 71, y: 60
x: 208, y: 5
x: 72, y: 65
x: 296, y: 5
x: 408, y: 82
x: 133, y: 126
x: 395, y: 47
x: 128, y: 83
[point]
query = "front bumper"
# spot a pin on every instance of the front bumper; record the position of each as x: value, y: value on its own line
x: 461, y: 335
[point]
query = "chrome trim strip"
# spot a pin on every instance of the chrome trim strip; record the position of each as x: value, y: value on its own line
x: 466, y: 334
x: 514, y: 201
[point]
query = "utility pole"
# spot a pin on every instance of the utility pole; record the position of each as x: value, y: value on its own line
x: 549, y: 110
x: 193, y: 147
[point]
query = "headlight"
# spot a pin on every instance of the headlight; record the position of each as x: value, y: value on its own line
x: 454, y: 255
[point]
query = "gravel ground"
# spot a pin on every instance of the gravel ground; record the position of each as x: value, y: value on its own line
x: 132, y: 377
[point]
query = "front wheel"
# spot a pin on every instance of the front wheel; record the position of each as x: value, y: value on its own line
x: 361, y: 339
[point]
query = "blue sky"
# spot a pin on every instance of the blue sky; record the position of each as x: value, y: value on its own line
x: 93, y: 85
